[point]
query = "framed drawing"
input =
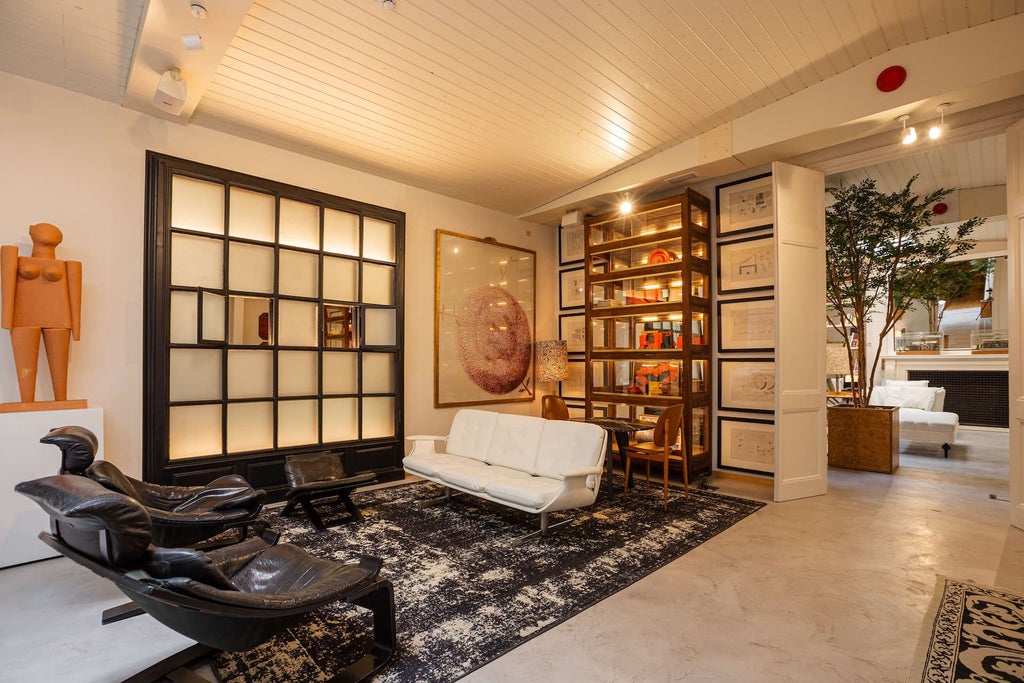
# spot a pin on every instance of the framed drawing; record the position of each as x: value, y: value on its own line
x: 572, y: 329
x: 745, y: 205
x: 574, y: 387
x: 746, y: 445
x: 746, y: 324
x: 483, y: 321
x: 570, y: 244
x: 571, y: 288
x: 746, y: 385
x: 746, y: 265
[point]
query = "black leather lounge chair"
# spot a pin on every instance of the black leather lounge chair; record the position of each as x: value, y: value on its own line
x: 232, y: 598
x: 314, y: 477
x: 181, y: 515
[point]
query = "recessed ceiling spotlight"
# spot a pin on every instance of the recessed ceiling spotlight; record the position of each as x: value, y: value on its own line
x: 908, y: 135
x: 937, y: 129
x: 388, y: 4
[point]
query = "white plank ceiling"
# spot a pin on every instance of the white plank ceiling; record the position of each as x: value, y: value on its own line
x: 503, y: 103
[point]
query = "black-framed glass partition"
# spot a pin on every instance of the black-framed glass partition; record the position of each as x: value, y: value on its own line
x: 273, y: 326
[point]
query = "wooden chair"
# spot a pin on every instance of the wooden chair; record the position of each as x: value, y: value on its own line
x: 662, y: 449
x: 553, y: 408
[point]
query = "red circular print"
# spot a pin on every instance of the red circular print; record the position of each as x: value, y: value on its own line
x: 940, y: 208
x: 494, y: 340
x: 890, y: 78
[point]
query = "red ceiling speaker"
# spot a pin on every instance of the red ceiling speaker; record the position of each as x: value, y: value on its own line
x: 890, y: 78
x: 940, y: 209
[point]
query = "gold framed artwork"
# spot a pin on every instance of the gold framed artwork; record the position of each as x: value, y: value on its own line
x: 746, y: 265
x: 745, y: 205
x: 746, y: 445
x: 484, y: 308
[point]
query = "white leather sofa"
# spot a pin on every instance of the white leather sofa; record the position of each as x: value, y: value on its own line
x: 921, y: 414
x: 527, y: 463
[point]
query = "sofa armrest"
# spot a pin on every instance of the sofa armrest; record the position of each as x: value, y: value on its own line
x: 425, y: 437
x: 423, y: 444
x: 583, y: 472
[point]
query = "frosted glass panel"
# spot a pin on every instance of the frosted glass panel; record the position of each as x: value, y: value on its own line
x: 252, y: 215
x: 195, y: 375
x: 297, y: 373
x: 194, y: 431
x: 251, y: 321
x: 378, y: 417
x: 341, y: 232
x: 378, y: 240
x: 300, y: 224
x: 341, y: 419
x: 378, y: 373
x: 340, y: 373
x: 340, y: 279
x: 297, y: 423
x: 213, y: 317
x: 250, y: 427
x: 184, y: 317
x: 251, y: 268
x: 250, y: 373
x: 298, y: 323
x: 298, y: 274
x: 197, y: 205
x: 378, y: 284
x: 197, y: 261
x: 379, y: 327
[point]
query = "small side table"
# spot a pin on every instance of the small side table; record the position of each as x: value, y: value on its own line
x: 838, y: 398
x: 619, y: 430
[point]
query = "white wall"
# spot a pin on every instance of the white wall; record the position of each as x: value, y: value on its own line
x: 79, y: 163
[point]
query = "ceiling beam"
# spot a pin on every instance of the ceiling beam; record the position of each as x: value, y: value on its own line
x: 159, y: 47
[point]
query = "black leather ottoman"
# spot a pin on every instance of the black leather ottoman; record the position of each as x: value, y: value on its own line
x: 314, y: 477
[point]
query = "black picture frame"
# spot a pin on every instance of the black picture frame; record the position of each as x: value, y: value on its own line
x: 726, y: 343
x: 749, y: 389
x: 755, y: 269
x: 571, y: 247
x: 761, y: 207
x: 726, y: 459
x: 570, y: 333
x: 567, y: 282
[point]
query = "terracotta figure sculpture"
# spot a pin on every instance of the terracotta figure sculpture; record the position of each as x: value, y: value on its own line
x: 41, y: 296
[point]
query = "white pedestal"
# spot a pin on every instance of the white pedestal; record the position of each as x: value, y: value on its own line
x: 22, y: 457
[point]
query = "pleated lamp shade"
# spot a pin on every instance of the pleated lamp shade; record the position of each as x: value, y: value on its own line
x: 552, y: 360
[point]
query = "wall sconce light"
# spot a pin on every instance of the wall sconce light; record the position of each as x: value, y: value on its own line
x: 937, y: 129
x: 907, y: 135
x: 626, y: 206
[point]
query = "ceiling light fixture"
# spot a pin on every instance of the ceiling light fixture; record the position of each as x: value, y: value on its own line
x: 937, y: 129
x: 388, y: 4
x: 171, y: 92
x: 626, y: 206
x: 194, y: 41
x: 907, y: 135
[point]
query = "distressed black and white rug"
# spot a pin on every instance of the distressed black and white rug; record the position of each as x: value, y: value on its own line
x: 465, y: 592
x: 971, y: 633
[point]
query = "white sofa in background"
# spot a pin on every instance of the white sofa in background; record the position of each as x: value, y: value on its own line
x: 527, y: 463
x: 921, y: 414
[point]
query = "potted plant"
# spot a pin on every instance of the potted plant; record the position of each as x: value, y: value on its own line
x: 880, y: 253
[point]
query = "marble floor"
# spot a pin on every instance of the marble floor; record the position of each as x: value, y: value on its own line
x: 831, y: 588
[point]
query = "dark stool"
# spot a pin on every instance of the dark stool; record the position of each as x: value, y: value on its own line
x: 315, y: 476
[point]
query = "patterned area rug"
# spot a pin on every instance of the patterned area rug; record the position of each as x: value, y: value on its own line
x: 971, y: 633
x: 465, y: 593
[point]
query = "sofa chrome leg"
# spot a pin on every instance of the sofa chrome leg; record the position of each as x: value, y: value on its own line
x: 545, y: 528
x: 945, y: 450
x: 440, y: 500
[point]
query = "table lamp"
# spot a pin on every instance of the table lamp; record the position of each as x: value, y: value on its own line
x: 837, y: 365
x: 552, y: 358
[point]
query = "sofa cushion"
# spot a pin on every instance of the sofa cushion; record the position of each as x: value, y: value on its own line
x: 529, y: 492
x: 471, y: 433
x: 906, y: 382
x: 905, y: 397
x: 567, y: 446
x: 928, y: 425
x: 472, y: 475
x: 515, y: 440
x: 430, y: 464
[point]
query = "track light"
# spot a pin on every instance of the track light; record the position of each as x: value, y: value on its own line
x: 171, y: 92
x: 907, y: 135
x: 937, y: 129
x: 626, y: 206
